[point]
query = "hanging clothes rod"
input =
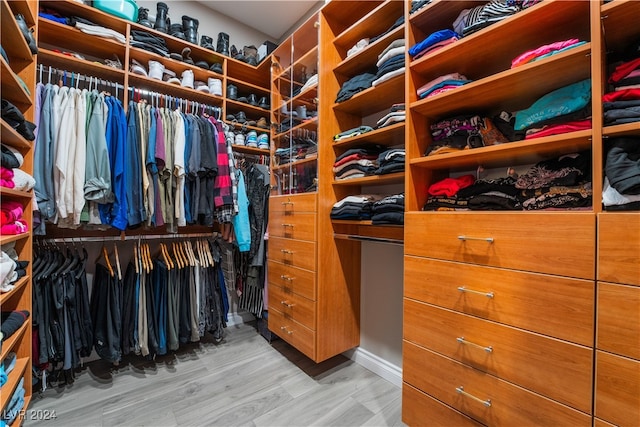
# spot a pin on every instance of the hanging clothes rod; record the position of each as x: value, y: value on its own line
x: 368, y: 239
x: 177, y: 102
x: 130, y: 238
x: 72, y: 78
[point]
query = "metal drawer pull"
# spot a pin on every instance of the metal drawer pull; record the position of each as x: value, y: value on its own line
x: 287, y: 278
x: 484, y: 239
x: 486, y: 294
x: 461, y: 340
x: 287, y: 203
x: 286, y: 251
x: 287, y: 225
x: 287, y: 304
x: 486, y: 403
x: 283, y: 328
x: 290, y: 332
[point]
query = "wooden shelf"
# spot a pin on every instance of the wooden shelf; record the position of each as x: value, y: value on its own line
x: 10, y: 192
x: 12, y: 238
x: 17, y: 287
x: 365, y: 59
x: 388, y: 136
x: 9, y: 344
x: 11, y: 137
x: 82, y: 66
x: 505, y: 43
x: 11, y: 88
x: 511, y: 90
x: 309, y: 124
x: 340, y: 15
x: 26, y: 9
x: 625, y: 129
x: 236, y: 126
x: 235, y: 106
x: 311, y: 159
x: 365, y: 230
x: 258, y: 76
x: 14, y: 378
x: 367, y: 26
x: 74, y: 8
x: 431, y: 16
x: 141, y: 82
x: 247, y: 87
x: 250, y: 150
x: 618, y: 17
x: 391, y: 178
x: 374, y: 99
x: 509, y: 154
x: 16, y: 48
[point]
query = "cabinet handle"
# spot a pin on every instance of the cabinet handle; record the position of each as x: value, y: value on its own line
x: 461, y: 340
x: 287, y: 225
x: 283, y: 328
x: 486, y: 294
x: 486, y: 403
x: 287, y: 278
x: 287, y: 203
x: 289, y: 332
x: 484, y: 239
x: 287, y: 251
x: 287, y: 304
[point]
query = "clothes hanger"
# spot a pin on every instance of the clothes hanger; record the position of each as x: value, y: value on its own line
x: 117, y: 256
x: 136, y: 258
x: 167, y: 258
x: 148, y: 253
x: 105, y: 255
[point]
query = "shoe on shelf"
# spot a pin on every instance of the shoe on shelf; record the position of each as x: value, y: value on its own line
x: 230, y: 137
x: 202, y: 64
x: 241, y: 117
x: 243, y: 99
x: 215, y: 86
x: 206, y: 42
x: 239, y: 139
x: 262, y: 123
x: 137, y: 68
x: 250, y: 55
x: 143, y: 17
x: 114, y: 63
x: 27, y: 33
x: 301, y: 111
x: 161, y: 17
x: 283, y: 110
x: 232, y: 92
x: 223, y: 44
x: 252, y: 139
x: 216, y: 67
x: 253, y: 100
x: 201, y: 87
x: 156, y: 69
x: 263, y: 141
x: 190, y: 29
x: 186, y: 56
x: 187, y: 78
x: 263, y: 103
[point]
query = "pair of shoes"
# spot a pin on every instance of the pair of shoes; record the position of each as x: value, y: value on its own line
x: 187, y: 79
x: 184, y: 56
x: 263, y: 141
x: 263, y: 103
x: 201, y: 86
x: 156, y: 69
x: 232, y: 92
x: 114, y: 63
x: 170, y: 77
x: 215, y: 86
x: 262, y: 123
x: 216, y: 67
x: 27, y: 33
x: 238, y: 117
x: 202, y: 64
x: 283, y: 110
x: 206, y: 42
x: 137, y: 68
x: 14, y: 117
x: 239, y: 139
x: 252, y: 139
x: 251, y: 99
x: 222, y: 46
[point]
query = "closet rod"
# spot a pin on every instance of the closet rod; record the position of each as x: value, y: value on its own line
x: 368, y: 239
x: 125, y: 238
x: 75, y: 76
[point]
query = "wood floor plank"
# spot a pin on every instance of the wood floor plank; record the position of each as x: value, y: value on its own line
x: 242, y: 381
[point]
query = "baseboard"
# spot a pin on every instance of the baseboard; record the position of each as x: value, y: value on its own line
x: 376, y: 364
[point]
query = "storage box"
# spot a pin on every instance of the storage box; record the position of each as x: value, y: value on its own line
x: 125, y: 9
x: 265, y: 49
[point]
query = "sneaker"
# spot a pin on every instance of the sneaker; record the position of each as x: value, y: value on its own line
x: 263, y: 141
x: 230, y: 137
x: 252, y: 139
x: 187, y: 78
x: 239, y: 139
x: 156, y: 69
x: 202, y: 87
x: 137, y: 68
x: 215, y: 86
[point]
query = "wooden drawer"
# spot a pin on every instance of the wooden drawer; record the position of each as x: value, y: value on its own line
x: 293, y: 306
x: 597, y: 422
x: 516, y: 298
x: 297, y: 253
x: 549, y: 242
x: 617, y: 397
x: 619, y: 319
x: 417, y: 407
x: 556, y: 369
x: 294, y: 333
x: 619, y: 247
x: 293, y: 203
x: 301, y: 226
x: 293, y: 279
x: 509, y: 405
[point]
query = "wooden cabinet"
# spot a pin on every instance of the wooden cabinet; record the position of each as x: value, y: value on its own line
x: 18, y: 87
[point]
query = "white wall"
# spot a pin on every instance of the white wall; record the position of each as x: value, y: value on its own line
x: 211, y: 22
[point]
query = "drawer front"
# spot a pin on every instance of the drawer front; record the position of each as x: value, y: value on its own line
x: 619, y: 319
x: 507, y: 296
x: 293, y: 279
x: 293, y: 203
x: 553, y: 368
x: 294, y: 333
x: 597, y: 422
x: 293, y: 306
x: 499, y: 403
x: 619, y: 247
x: 301, y: 226
x: 617, y: 389
x: 550, y: 242
x: 297, y: 253
x: 417, y: 407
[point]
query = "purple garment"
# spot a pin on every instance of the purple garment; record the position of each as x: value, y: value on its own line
x: 160, y: 161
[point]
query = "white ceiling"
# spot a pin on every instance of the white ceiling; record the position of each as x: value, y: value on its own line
x: 273, y: 18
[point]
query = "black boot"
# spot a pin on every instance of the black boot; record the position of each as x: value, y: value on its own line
x: 190, y: 29
x: 176, y: 31
x: 161, y: 17
x: 143, y: 17
x: 206, y: 42
x: 251, y: 55
x: 223, y: 44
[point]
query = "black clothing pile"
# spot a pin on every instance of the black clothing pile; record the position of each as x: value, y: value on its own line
x: 389, y: 210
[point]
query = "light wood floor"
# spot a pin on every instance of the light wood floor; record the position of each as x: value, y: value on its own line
x: 244, y: 381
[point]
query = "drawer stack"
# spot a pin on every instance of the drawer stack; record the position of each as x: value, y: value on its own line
x: 292, y: 270
x: 617, y: 388
x: 499, y: 318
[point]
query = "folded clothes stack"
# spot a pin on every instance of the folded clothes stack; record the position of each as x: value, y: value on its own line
x: 621, y: 190
x: 442, y: 84
x: 358, y: 207
x: 390, y: 62
x: 357, y: 162
x: 389, y: 210
x: 623, y: 104
x: 390, y: 161
x: 396, y: 114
